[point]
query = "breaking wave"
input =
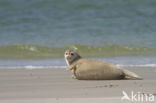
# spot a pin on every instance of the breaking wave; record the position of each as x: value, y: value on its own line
x: 19, y: 51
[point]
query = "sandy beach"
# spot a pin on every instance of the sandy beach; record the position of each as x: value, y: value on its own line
x: 57, y: 86
x: 35, y: 35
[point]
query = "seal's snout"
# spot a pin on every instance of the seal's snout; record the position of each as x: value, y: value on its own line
x: 68, y: 57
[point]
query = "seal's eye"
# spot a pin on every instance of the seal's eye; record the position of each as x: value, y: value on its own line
x: 72, y: 53
x: 66, y: 53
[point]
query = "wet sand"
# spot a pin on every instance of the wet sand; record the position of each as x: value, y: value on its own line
x: 57, y: 86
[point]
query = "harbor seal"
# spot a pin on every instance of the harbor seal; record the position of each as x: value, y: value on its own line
x: 85, y: 69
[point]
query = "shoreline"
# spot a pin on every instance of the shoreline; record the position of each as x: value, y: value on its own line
x: 56, y: 85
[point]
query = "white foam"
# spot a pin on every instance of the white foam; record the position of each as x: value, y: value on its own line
x: 137, y: 65
x: 30, y: 67
x: 33, y: 67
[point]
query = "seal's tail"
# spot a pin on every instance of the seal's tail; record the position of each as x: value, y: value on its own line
x: 131, y: 76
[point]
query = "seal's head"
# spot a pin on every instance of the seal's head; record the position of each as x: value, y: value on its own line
x: 71, y: 56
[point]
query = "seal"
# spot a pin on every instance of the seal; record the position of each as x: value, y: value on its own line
x: 85, y: 69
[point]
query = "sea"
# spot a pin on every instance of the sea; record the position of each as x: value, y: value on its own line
x: 34, y: 34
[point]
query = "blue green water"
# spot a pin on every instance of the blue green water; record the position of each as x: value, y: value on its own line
x: 37, y: 29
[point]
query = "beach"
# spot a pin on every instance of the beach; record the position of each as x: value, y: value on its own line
x: 36, y: 33
x: 55, y: 85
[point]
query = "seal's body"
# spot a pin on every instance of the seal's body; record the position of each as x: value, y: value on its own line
x: 85, y: 69
x: 96, y: 70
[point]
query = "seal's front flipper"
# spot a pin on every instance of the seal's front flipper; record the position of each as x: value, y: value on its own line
x: 73, y: 77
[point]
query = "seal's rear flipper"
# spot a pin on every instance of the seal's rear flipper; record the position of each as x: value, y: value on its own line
x: 131, y: 76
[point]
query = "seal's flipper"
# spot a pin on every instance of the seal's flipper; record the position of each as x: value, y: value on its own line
x: 131, y: 76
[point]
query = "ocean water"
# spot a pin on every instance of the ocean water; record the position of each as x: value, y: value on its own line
x: 60, y: 63
x: 37, y: 32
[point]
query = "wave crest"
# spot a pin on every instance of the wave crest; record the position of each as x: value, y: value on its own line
x: 19, y: 51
